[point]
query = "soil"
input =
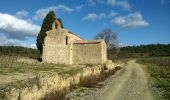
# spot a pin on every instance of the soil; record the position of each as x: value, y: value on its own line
x: 129, y: 83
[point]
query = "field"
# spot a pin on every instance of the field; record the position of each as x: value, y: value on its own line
x: 18, y: 72
x: 11, y: 65
x: 159, y: 70
x: 17, y: 64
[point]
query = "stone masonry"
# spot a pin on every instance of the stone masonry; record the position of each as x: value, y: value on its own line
x: 63, y: 47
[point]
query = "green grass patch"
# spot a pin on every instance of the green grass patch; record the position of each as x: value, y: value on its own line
x: 159, y: 70
x: 31, y: 68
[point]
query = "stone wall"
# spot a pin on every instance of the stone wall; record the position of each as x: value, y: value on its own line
x: 55, y: 37
x: 62, y: 47
x: 72, y: 38
x: 55, y: 49
x: 57, y: 54
x: 57, y: 46
x: 88, y: 53
x: 103, y: 51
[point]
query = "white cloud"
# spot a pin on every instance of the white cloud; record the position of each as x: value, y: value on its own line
x: 64, y: 8
x: 123, y: 3
x: 112, y: 14
x: 94, y: 16
x: 33, y: 46
x: 41, y: 13
x: 22, y: 13
x: 78, y: 8
x: 14, y: 27
x: 131, y: 20
x: 102, y: 15
x: 94, y: 2
x: 91, y: 17
x: 14, y: 42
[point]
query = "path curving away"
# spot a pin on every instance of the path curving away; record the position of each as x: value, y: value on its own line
x: 130, y: 84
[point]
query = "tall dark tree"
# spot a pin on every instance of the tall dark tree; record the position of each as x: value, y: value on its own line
x: 110, y: 38
x: 46, y: 26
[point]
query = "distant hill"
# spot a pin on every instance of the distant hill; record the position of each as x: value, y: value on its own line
x: 19, y: 51
x: 152, y: 50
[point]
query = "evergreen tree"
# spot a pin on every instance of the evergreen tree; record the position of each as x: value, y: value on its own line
x: 46, y: 26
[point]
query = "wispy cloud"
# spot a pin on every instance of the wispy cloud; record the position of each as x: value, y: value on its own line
x: 102, y: 15
x: 41, y: 13
x: 122, y: 3
x: 94, y: 16
x: 14, y: 27
x: 91, y: 17
x: 94, y: 2
x: 22, y: 13
x: 131, y: 20
x: 164, y: 2
x: 78, y: 8
x: 91, y: 2
x: 64, y: 8
x: 112, y: 14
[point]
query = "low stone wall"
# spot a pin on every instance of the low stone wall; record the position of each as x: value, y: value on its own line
x: 49, y: 83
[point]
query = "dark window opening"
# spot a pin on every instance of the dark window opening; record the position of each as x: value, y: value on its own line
x: 56, y: 25
x: 66, y: 40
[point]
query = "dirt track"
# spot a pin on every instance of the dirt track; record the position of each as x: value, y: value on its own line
x: 131, y: 84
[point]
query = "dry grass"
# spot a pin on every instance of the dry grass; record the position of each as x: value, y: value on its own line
x: 17, y: 64
x: 92, y: 81
x: 48, y: 85
x: 10, y: 65
x: 57, y: 95
x: 89, y: 82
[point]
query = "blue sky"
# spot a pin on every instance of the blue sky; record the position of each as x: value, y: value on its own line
x: 135, y: 21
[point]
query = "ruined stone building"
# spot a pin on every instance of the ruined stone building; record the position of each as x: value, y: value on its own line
x: 63, y: 47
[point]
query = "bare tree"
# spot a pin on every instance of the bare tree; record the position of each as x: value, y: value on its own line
x: 110, y: 38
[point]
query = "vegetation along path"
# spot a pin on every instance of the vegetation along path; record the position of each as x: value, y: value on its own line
x: 130, y: 83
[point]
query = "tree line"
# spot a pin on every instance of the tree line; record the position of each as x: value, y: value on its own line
x: 19, y: 51
x: 151, y: 50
